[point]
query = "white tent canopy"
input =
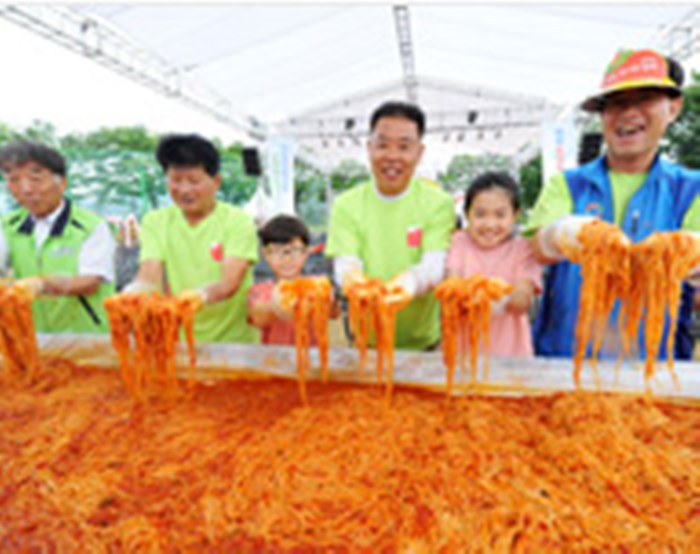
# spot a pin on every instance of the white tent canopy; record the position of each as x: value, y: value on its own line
x: 315, y: 72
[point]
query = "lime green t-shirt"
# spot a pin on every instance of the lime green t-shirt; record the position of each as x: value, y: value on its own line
x: 192, y: 257
x: 389, y: 236
x: 555, y: 201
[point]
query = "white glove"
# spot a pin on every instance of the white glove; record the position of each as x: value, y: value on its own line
x: 194, y: 297
x: 499, y: 306
x: 562, y: 233
x: 407, y: 282
x: 139, y: 286
x: 347, y: 271
x: 33, y: 285
x: 354, y: 277
x: 693, y: 277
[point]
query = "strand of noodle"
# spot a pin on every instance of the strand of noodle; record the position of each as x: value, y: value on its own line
x: 465, y: 305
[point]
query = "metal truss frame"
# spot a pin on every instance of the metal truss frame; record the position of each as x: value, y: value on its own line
x: 403, y: 35
x: 97, y: 41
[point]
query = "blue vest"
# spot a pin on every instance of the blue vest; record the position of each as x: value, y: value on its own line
x: 660, y: 204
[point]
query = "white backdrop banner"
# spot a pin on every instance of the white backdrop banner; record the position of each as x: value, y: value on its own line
x: 280, y: 173
x: 559, y: 147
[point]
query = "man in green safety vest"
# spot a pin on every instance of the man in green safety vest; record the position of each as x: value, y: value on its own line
x: 61, y: 253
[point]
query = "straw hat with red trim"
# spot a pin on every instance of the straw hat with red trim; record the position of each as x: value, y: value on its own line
x: 635, y: 69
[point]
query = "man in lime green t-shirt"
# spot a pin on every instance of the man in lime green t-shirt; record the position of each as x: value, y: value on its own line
x: 396, y: 227
x: 203, y: 248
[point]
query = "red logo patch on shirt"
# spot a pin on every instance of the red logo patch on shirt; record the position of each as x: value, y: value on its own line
x: 217, y: 251
x: 414, y: 237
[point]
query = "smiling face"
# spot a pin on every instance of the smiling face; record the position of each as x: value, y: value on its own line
x: 193, y: 190
x: 491, y: 217
x: 286, y: 260
x: 395, y: 149
x: 35, y: 187
x: 633, y: 123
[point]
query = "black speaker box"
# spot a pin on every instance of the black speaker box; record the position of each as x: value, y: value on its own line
x: 251, y: 162
x: 589, y: 149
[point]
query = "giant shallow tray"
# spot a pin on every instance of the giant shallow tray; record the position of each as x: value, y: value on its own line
x: 507, y: 376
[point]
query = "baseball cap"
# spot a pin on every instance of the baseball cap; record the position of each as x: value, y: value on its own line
x: 635, y: 69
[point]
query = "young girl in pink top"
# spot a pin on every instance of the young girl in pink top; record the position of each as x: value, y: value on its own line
x: 489, y: 246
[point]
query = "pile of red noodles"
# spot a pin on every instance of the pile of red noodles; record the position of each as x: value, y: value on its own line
x: 241, y: 466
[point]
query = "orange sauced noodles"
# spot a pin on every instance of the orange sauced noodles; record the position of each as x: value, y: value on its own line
x: 239, y: 466
x: 18, y: 344
x: 155, y: 322
x: 372, y: 307
x: 309, y: 299
x: 604, y: 257
x: 645, y: 277
x: 465, y: 305
x: 659, y: 265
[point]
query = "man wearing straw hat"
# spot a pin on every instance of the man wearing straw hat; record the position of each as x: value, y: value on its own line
x: 630, y: 185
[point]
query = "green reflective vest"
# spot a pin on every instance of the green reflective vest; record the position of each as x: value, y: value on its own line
x: 58, y: 256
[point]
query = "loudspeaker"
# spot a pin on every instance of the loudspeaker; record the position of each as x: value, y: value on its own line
x: 251, y: 162
x: 589, y: 148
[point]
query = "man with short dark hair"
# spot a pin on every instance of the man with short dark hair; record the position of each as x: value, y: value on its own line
x: 204, y: 248
x: 61, y: 253
x: 395, y: 227
x: 630, y: 185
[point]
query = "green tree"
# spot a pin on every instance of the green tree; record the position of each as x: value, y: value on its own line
x: 114, y: 171
x: 310, y: 193
x: 125, y: 176
x: 115, y: 181
x: 133, y: 139
x: 41, y: 131
x: 6, y: 133
x: 236, y: 186
x: 314, y: 189
x: 530, y: 181
x: 347, y: 174
x: 683, y: 137
x: 463, y: 168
